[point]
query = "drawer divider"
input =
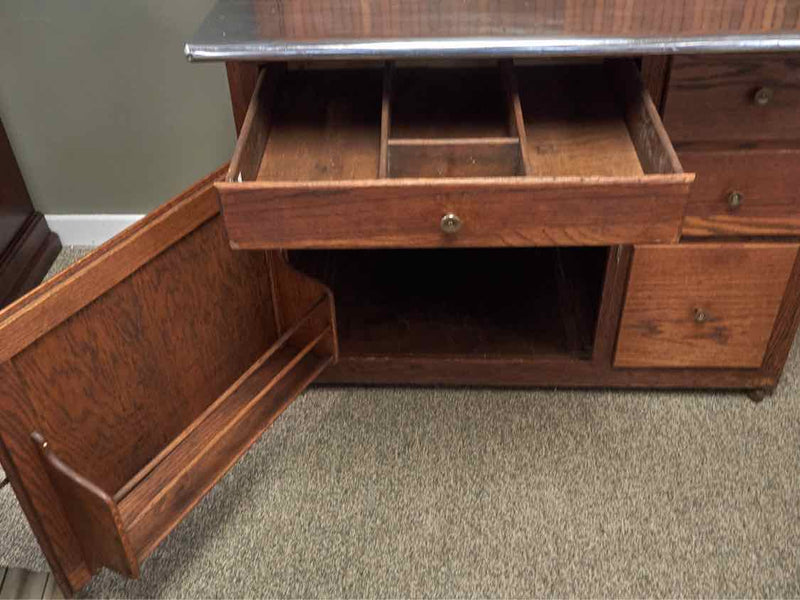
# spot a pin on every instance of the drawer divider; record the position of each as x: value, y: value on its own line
x: 516, y: 117
x: 119, y: 531
x: 386, y: 120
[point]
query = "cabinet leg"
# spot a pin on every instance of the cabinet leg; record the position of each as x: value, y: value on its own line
x: 759, y: 394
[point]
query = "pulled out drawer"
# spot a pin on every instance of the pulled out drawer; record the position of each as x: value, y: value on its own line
x: 484, y: 156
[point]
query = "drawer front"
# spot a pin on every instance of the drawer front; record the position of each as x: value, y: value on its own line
x: 743, y: 192
x: 734, y: 98
x: 702, y: 305
x: 462, y: 214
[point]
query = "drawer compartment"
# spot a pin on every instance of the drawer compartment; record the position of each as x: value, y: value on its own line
x: 702, y: 305
x: 743, y: 192
x: 736, y: 98
x: 493, y: 155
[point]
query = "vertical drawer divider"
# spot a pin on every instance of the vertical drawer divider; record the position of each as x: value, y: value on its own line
x: 386, y: 120
x: 516, y: 117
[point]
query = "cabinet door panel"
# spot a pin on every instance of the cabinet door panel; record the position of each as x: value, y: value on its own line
x: 120, y: 359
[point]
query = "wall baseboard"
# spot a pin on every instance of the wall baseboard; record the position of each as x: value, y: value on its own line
x: 88, y: 230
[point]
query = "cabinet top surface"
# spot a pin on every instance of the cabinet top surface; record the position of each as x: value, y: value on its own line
x: 382, y: 29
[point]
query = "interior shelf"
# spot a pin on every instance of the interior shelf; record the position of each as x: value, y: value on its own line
x: 541, y: 301
x: 120, y: 529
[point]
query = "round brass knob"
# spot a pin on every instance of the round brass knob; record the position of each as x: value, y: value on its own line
x: 450, y: 223
x: 763, y: 96
x: 735, y: 199
x: 700, y: 315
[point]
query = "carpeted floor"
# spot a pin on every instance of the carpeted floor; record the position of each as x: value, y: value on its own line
x: 366, y: 492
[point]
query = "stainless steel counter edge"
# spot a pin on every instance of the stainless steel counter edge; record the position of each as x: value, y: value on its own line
x: 494, y: 47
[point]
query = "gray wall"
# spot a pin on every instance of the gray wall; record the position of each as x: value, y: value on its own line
x: 103, y: 111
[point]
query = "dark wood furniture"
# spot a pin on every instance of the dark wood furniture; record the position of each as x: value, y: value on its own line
x: 27, y: 246
x: 521, y: 218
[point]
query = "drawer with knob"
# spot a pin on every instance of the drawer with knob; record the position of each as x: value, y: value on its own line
x: 733, y: 98
x: 743, y: 193
x: 702, y: 305
x: 485, y: 155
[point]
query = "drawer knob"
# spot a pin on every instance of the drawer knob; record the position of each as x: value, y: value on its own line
x: 450, y: 223
x: 763, y: 96
x: 700, y: 315
x: 735, y: 199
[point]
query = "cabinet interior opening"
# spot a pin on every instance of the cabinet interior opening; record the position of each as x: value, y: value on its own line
x: 543, y: 301
x: 496, y: 119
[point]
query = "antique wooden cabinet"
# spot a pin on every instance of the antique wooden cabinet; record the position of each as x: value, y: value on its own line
x: 538, y: 194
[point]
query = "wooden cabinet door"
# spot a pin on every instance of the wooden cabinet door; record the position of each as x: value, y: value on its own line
x: 135, y: 379
x: 703, y: 305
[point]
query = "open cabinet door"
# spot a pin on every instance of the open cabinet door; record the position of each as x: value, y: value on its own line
x: 132, y: 381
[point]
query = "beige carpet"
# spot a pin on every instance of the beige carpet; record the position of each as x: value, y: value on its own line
x: 376, y: 492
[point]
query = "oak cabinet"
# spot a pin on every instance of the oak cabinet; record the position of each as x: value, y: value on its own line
x: 491, y: 223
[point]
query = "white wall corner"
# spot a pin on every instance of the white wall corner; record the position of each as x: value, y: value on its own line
x: 88, y: 230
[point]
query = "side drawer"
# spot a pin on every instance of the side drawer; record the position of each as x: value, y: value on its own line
x: 744, y: 193
x: 734, y: 98
x: 499, y: 155
x: 702, y: 305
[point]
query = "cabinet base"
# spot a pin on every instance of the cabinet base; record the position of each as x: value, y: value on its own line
x: 27, y: 259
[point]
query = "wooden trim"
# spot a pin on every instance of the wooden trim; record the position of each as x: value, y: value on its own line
x: 33, y: 315
x: 613, y: 297
x: 93, y: 516
x: 69, y: 583
x: 786, y: 325
x: 549, y: 372
x: 477, y: 141
x: 27, y: 259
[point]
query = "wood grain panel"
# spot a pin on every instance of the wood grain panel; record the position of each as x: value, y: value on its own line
x: 303, y: 20
x: 156, y: 509
x: 114, y: 356
x: 157, y: 348
x: 768, y: 181
x: 326, y: 125
x: 738, y: 288
x: 712, y: 98
x: 495, y: 212
x: 574, y: 123
x: 472, y: 157
x: 26, y: 320
x: 653, y: 145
